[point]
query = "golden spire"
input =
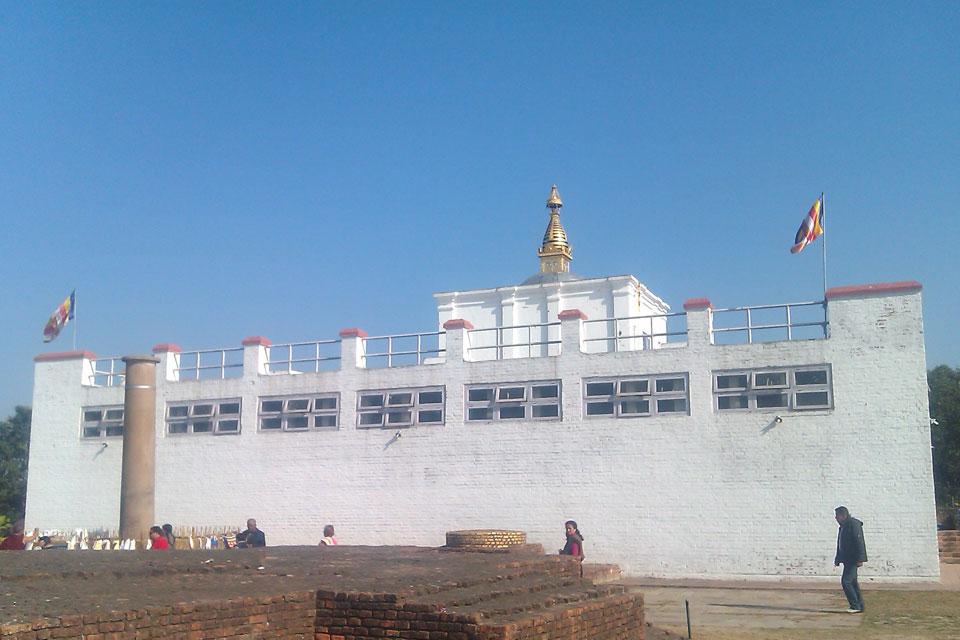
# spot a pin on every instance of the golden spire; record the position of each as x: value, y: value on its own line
x: 555, y: 253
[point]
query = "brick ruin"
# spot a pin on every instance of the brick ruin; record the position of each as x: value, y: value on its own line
x: 337, y: 593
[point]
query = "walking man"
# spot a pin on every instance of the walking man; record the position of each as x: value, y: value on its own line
x: 852, y: 553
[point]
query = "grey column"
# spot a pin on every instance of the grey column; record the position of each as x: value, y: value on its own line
x: 138, y: 477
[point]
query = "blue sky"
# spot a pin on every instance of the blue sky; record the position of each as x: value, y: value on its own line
x: 201, y: 172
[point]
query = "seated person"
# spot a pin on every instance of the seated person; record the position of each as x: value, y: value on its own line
x: 252, y: 537
x: 158, y: 541
x: 16, y: 540
x: 328, y: 539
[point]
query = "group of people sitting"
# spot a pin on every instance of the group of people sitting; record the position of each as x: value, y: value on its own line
x: 163, y: 538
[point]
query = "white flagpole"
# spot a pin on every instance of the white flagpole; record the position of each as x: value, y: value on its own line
x: 76, y: 322
x: 823, y: 211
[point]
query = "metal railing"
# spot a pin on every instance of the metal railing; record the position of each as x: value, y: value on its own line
x: 304, y: 357
x: 771, y: 322
x: 635, y: 333
x: 506, y: 345
x: 402, y: 349
x: 108, y: 372
x: 209, y: 364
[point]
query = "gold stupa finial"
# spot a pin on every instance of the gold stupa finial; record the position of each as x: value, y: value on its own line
x: 555, y: 253
x: 554, y: 200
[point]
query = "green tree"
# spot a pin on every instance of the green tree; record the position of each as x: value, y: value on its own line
x: 944, y: 384
x: 14, y: 448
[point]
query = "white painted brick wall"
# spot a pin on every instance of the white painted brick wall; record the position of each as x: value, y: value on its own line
x: 697, y: 495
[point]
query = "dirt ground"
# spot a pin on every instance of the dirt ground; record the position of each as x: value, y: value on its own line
x: 795, y: 611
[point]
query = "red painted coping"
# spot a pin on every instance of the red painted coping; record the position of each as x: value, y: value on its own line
x: 64, y: 355
x: 567, y: 314
x: 353, y: 332
x: 457, y: 323
x: 697, y: 304
x: 166, y: 347
x: 250, y: 341
x: 853, y: 291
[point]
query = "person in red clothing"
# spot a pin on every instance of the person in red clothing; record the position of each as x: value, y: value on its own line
x: 574, y: 546
x: 16, y: 541
x: 158, y: 540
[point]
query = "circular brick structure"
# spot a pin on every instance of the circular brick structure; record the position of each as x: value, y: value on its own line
x: 485, y: 539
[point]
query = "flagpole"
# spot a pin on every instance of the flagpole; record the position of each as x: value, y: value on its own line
x: 76, y: 322
x: 823, y: 212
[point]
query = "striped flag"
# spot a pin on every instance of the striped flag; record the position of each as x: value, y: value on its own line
x: 811, y: 227
x: 60, y: 317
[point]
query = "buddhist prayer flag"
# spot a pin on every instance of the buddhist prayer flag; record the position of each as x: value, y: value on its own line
x: 810, y: 228
x: 60, y: 317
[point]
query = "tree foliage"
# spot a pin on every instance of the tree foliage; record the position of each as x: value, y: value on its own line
x: 944, y: 384
x: 14, y: 448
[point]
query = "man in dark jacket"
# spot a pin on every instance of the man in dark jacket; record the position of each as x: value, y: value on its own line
x: 252, y: 537
x: 852, y: 552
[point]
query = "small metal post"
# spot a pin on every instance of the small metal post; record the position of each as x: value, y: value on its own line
x: 686, y: 604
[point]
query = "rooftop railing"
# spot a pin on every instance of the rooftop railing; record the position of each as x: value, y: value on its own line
x: 108, y: 372
x: 770, y: 322
x: 209, y: 364
x: 403, y: 349
x: 519, y: 341
x: 635, y: 333
x: 304, y: 357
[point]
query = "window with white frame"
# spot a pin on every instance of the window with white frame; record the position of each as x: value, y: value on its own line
x: 102, y: 422
x: 514, y: 401
x: 784, y: 389
x: 636, y: 396
x: 216, y: 417
x: 400, y: 407
x: 300, y: 413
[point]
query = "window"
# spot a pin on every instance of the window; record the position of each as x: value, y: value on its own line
x: 400, y: 407
x: 786, y: 389
x: 217, y: 417
x: 514, y: 401
x: 636, y: 396
x: 102, y: 422
x: 301, y: 413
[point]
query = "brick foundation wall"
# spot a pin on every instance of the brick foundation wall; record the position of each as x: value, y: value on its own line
x: 949, y: 543
x: 360, y: 616
x: 327, y: 615
x: 290, y: 615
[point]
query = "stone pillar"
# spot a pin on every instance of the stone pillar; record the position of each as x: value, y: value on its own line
x: 138, y: 475
x: 256, y: 356
x: 169, y: 355
x: 353, y: 349
x: 571, y: 330
x: 458, y: 340
x: 699, y: 321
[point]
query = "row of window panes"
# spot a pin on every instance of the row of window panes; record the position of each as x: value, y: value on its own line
x: 205, y: 417
x: 631, y: 397
x: 300, y: 414
x: 514, y: 401
x: 102, y: 422
x: 791, y: 388
x: 796, y: 389
x: 400, y: 407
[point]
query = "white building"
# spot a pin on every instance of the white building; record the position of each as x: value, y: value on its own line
x: 707, y: 442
